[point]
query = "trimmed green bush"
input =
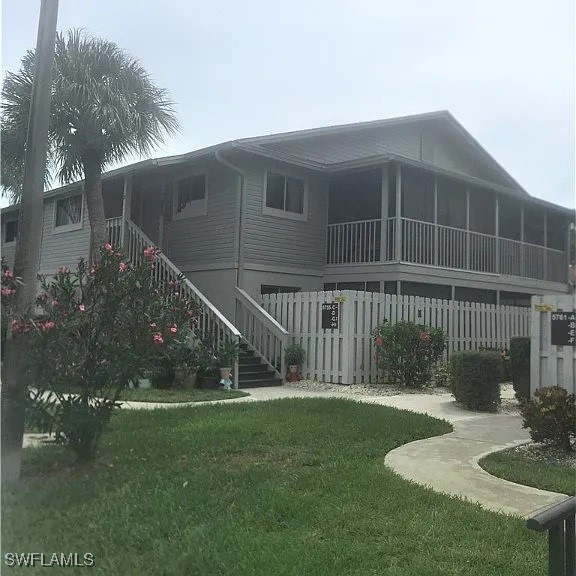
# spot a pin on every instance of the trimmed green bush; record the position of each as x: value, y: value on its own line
x: 520, y: 366
x: 408, y: 352
x: 551, y: 417
x: 475, y: 379
x: 505, y: 375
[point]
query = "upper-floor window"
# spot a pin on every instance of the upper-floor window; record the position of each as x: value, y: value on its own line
x: 190, y: 196
x: 11, y: 231
x: 285, y: 194
x: 69, y: 211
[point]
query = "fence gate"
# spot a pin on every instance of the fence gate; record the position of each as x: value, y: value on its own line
x: 553, y: 345
x: 345, y: 354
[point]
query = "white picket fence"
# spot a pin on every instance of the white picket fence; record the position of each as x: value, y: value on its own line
x: 346, y: 354
x: 551, y: 365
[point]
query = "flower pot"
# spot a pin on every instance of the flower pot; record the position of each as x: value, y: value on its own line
x: 225, y: 373
x: 293, y: 373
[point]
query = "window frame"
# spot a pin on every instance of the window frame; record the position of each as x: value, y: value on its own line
x: 5, y: 229
x: 283, y: 213
x: 59, y: 229
x: 194, y: 209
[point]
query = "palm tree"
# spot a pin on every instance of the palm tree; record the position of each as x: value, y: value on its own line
x: 104, y: 108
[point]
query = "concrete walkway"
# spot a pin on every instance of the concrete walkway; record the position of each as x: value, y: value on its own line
x: 448, y: 463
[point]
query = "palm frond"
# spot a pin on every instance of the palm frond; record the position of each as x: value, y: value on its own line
x: 104, y: 107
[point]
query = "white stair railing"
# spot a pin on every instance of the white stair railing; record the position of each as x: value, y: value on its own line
x: 262, y: 332
x: 211, y: 323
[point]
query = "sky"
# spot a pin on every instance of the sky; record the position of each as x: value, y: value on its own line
x: 505, y: 68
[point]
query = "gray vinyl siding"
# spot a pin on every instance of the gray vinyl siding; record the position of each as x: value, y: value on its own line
x: 8, y: 249
x: 446, y: 152
x: 58, y: 248
x: 283, y: 242
x: 62, y: 248
x: 208, y: 239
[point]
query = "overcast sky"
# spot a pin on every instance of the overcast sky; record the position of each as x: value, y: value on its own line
x: 504, y: 68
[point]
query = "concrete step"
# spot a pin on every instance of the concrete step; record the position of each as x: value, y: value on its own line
x: 260, y: 383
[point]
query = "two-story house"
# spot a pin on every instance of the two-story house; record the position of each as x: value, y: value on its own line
x: 410, y: 205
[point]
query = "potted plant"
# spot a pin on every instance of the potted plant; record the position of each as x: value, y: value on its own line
x: 226, y: 357
x: 207, y: 369
x: 294, y: 357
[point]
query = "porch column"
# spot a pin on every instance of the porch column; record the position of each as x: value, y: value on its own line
x: 384, y: 215
x: 522, y: 250
x: 497, y: 233
x: 467, y: 228
x: 545, y: 245
x: 398, y: 234
x: 126, y: 207
x: 436, y: 260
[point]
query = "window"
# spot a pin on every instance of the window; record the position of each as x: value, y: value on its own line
x: 370, y: 286
x: 557, y: 227
x: 515, y: 299
x: 269, y: 289
x: 69, y: 211
x: 439, y: 291
x: 190, y: 197
x: 475, y: 295
x: 11, y: 231
x: 284, y: 193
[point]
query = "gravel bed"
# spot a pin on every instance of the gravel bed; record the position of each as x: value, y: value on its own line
x: 363, y: 389
x: 548, y: 454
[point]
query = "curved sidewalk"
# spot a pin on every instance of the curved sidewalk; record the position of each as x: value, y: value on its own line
x: 449, y: 464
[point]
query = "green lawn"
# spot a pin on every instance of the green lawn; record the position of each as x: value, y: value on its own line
x: 178, y: 395
x: 523, y: 469
x: 290, y: 487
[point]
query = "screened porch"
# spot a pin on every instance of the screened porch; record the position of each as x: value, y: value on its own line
x: 402, y: 214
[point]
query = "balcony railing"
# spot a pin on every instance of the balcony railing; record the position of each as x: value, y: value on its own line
x: 430, y: 244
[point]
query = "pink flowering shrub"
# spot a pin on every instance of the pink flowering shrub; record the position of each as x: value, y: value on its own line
x: 8, y: 291
x: 99, y: 329
x: 407, y: 352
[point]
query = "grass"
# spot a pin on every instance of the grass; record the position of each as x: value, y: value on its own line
x: 178, y: 395
x: 289, y: 487
x: 529, y: 469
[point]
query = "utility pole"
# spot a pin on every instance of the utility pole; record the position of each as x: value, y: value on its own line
x: 27, y: 259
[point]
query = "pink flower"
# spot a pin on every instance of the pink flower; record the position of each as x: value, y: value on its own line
x: 172, y: 283
x: 379, y: 341
x: 48, y: 325
x: 424, y: 336
x: 173, y: 328
x: 150, y: 253
x: 63, y: 270
x: 54, y: 303
x: 158, y: 338
x: 15, y: 325
x: 107, y: 246
x: 152, y: 324
x: 7, y: 291
x: 82, y: 308
x: 123, y: 267
x: 8, y: 273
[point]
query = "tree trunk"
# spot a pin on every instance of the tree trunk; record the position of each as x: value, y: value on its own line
x: 95, y: 204
x: 27, y: 259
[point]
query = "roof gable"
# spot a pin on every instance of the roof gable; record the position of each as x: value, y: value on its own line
x: 436, y: 138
